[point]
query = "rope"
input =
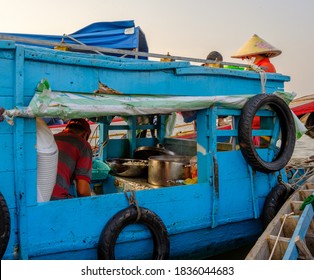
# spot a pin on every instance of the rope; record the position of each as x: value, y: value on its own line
x: 298, y: 171
x: 281, y: 182
x: 263, y: 80
x: 285, y: 216
x: 262, y: 74
x: 100, y: 146
x: 79, y: 42
x: 133, y: 201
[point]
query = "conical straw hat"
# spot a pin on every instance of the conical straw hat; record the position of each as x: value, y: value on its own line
x: 256, y: 45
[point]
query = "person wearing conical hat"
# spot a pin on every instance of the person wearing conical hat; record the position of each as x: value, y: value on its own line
x: 261, y: 51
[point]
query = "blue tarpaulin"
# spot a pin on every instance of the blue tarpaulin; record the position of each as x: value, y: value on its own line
x: 117, y: 35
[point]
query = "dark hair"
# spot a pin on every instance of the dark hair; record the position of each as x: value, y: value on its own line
x: 216, y: 56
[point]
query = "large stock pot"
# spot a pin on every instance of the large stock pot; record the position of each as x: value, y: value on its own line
x: 163, y: 170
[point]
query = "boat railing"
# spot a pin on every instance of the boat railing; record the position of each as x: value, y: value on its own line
x: 102, y: 50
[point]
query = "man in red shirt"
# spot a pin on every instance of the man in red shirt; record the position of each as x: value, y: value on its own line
x: 75, y: 160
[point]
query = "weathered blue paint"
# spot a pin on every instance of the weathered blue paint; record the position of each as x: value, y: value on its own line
x: 228, y: 198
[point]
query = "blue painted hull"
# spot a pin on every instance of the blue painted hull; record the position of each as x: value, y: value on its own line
x: 198, y: 244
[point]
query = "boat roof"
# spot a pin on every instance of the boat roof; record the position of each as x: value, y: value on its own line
x: 116, y: 35
x: 303, y: 105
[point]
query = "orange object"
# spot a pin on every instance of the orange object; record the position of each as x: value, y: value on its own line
x: 256, y: 122
x: 266, y: 65
x: 256, y: 125
x: 193, y: 163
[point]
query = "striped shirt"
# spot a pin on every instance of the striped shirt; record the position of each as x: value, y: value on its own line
x: 75, y: 162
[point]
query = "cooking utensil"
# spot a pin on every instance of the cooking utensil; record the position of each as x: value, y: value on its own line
x: 163, y: 170
x: 145, y: 152
x: 128, y: 167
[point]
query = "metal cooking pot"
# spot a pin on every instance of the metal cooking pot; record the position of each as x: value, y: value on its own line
x: 145, y: 152
x: 128, y: 167
x: 163, y: 170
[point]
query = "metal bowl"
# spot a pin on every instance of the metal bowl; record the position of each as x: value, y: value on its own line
x: 126, y: 167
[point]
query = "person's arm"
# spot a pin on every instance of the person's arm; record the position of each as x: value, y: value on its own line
x: 83, y: 188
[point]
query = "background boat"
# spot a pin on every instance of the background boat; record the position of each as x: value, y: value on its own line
x: 303, y: 107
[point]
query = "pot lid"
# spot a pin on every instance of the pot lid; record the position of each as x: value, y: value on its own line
x: 145, y: 152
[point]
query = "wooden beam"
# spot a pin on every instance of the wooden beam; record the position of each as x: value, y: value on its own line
x: 281, y: 246
x: 290, y: 225
x: 305, y: 193
x: 301, y: 231
x: 295, y: 206
x: 304, y: 252
x: 309, y: 240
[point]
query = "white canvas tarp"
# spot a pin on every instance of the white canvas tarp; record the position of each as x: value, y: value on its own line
x: 74, y: 105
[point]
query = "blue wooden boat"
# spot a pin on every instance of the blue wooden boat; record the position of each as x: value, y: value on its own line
x: 220, y: 212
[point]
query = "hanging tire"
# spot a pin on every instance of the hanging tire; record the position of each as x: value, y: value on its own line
x: 4, y: 225
x: 274, y: 201
x: 310, y: 121
x: 288, y: 134
x: 309, y: 124
x: 125, y: 217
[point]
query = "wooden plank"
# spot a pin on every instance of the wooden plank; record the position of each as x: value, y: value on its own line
x: 309, y: 240
x: 304, y: 252
x: 301, y: 230
x: 290, y: 225
x: 305, y: 193
x: 311, y: 227
x: 295, y: 206
x: 261, y: 252
x: 281, y: 246
x: 281, y: 238
x: 309, y: 186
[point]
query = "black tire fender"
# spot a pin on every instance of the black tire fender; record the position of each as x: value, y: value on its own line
x: 310, y: 121
x: 274, y: 201
x: 125, y: 217
x: 5, y: 225
x: 288, y: 132
x: 309, y: 124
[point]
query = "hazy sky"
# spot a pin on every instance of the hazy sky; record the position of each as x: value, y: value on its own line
x: 186, y: 28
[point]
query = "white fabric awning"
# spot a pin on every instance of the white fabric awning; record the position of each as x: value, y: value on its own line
x: 74, y: 105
